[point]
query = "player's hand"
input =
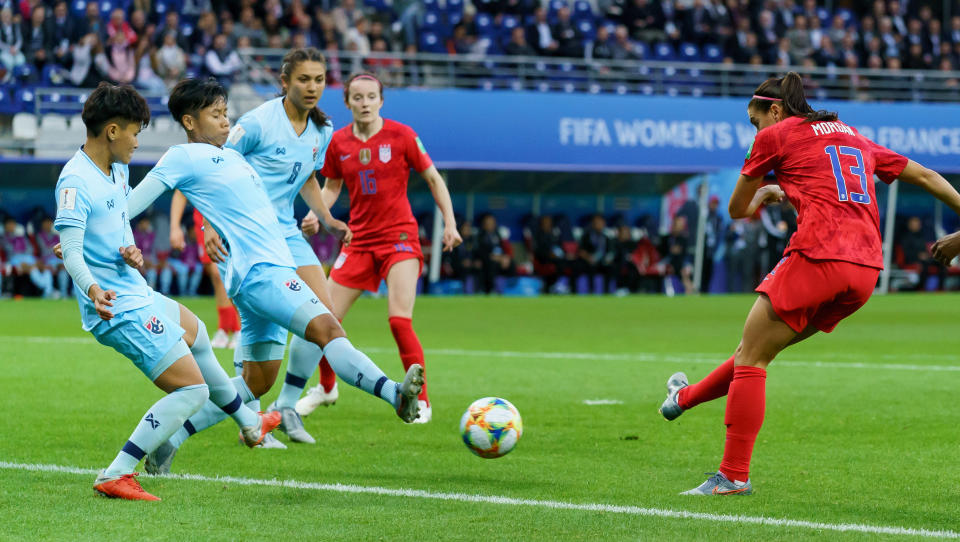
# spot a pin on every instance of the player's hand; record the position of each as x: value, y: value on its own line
x: 772, y: 193
x: 310, y: 225
x: 946, y: 248
x: 177, y: 241
x: 341, y: 230
x: 101, y: 300
x: 451, y: 237
x: 214, y: 246
x: 132, y: 256
x: 58, y: 251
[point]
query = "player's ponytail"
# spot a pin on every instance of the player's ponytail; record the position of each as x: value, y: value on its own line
x: 290, y: 62
x: 788, y: 92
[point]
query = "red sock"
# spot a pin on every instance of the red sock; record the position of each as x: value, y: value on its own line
x: 328, y: 378
x: 713, y: 386
x: 744, y: 417
x: 409, y: 345
x: 234, y: 319
x: 225, y: 316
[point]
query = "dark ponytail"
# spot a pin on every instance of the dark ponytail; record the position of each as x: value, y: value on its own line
x: 290, y: 62
x: 788, y: 90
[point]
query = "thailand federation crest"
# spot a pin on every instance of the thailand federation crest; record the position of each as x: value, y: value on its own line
x: 364, y: 156
x: 316, y: 151
x: 385, y: 153
x: 293, y: 285
x: 154, y: 325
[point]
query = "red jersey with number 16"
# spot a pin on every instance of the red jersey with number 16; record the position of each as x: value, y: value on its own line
x: 376, y: 173
x: 826, y: 170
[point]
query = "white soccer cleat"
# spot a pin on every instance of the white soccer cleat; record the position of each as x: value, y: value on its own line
x: 426, y: 412
x: 317, y: 397
x: 220, y: 339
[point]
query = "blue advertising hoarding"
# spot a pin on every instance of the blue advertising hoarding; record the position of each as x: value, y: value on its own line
x: 533, y: 131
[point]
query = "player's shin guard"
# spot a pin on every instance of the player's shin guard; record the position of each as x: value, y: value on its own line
x: 713, y: 386
x: 160, y: 422
x: 355, y: 368
x: 744, y: 417
x: 222, y: 391
x: 304, y: 356
x: 409, y: 346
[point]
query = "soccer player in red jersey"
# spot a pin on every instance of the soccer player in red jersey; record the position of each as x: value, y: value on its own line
x: 373, y: 156
x: 228, y: 321
x: 828, y: 271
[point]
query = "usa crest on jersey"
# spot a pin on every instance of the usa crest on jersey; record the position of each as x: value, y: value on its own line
x: 364, y: 156
x: 385, y: 153
x: 154, y: 325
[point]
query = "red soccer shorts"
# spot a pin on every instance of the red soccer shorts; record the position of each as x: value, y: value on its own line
x: 820, y: 293
x: 198, y: 229
x: 363, y: 269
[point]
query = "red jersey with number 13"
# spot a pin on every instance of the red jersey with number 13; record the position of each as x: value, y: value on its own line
x: 826, y: 170
x: 376, y: 173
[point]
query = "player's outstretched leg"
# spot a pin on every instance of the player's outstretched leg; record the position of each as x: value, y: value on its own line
x: 269, y: 441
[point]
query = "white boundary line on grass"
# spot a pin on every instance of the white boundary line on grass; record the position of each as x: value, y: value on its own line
x: 492, y: 499
x: 680, y: 357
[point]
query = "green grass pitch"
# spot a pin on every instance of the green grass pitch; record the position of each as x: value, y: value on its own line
x: 861, y: 429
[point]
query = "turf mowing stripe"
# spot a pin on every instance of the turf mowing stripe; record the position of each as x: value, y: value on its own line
x: 555, y: 505
x: 683, y: 357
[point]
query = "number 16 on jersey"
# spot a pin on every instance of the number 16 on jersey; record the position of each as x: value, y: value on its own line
x: 368, y: 185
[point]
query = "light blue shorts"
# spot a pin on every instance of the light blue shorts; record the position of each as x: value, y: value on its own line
x: 303, y: 253
x: 273, y: 300
x: 149, y: 336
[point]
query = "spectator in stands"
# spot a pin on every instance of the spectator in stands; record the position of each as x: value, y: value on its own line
x: 63, y: 32
x: 698, y: 24
x: 171, y: 60
x: 144, y: 237
x: 799, y: 40
x: 767, y: 33
x: 186, y: 265
x: 147, y: 77
x: 249, y: 26
x: 518, y: 46
x: 461, y: 43
x: 622, y: 48
x: 204, y: 35
x: 645, y: 20
x: 196, y: 8
x: 549, y: 259
x: 461, y: 263
x: 222, y: 61
x: 143, y: 29
x: 622, y: 266
x: 47, y: 238
x: 88, y: 63
x: 171, y: 25
x: 492, y: 258
x: 567, y: 35
x: 388, y: 70
x: 712, y: 242
x: 540, y: 34
x: 119, y: 25
x: 20, y: 256
x: 601, y: 48
x: 122, y: 67
x: 779, y: 222
x: 37, y: 38
x: 346, y: 15
x: 916, y: 255
x: 675, y: 247
x: 953, y: 36
x: 11, y: 44
x: 92, y: 23
x: 355, y: 39
x: 646, y: 261
x: 595, y: 254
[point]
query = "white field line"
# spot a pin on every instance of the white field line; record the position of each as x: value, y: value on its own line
x: 509, y: 501
x: 636, y: 357
x: 597, y: 402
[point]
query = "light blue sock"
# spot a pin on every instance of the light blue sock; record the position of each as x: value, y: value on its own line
x: 355, y: 368
x: 304, y: 357
x: 161, y: 421
x: 210, y: 414
x: 222, y: 390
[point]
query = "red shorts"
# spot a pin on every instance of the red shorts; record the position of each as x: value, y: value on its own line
x: 817, y: 293
x: 363, y: 269
x: 198, y: 229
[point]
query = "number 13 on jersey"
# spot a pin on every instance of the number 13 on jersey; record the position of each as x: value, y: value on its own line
x: 368, y: 185
x: 835, y: 152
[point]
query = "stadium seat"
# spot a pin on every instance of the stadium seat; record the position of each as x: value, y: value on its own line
x: 78, y: 8
x: 582, y: 10
x: 712, y: 53
x: 8, y: 100
x: 642, y: 49
x: 689, y: 52
x: 454, y: 7
x: 485, y: 26
x: 587, y: 29
x: 509, y: 23
x: 430, y: 43
x: 431, y: 5
x: 76, y: 123
x: 53, y: 123
x: 106, y: 6
x: 663, y: 52
x: 432, y: 22
x: 164, y: 124
x: 24, y: 126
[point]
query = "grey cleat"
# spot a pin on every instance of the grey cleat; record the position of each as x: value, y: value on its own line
x: 719, y: 485
x: 292, y: 424
x: 269, y: 442
x: 408, y: 407
x: 670, y: 408
x: 159, y: 460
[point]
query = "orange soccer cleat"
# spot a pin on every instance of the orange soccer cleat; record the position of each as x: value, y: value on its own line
x: 254, y: 435
x: 122, y: 487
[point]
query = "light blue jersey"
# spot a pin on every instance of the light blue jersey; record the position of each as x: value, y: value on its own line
x: 284, y: 160
x: 89, y: 199
x: 229, y: 193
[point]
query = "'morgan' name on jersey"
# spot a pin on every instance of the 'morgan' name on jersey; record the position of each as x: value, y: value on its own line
x: 824, y: 128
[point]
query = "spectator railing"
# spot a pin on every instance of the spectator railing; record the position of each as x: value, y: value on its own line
x: 647, y: 77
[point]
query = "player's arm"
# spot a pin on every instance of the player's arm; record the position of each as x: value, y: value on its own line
x: 749, y: 195
x: 948, y: 247
x: 330, y: 192
x: 451, y: 237
x: 212, y: 243
x: 177, y: 205
x: 71, y: 243
x: 313, y: 195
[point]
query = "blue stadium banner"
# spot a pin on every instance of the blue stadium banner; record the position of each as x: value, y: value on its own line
x: 505, y: 130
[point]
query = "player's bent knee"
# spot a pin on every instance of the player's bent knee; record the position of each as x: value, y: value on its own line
x: 323, y: 329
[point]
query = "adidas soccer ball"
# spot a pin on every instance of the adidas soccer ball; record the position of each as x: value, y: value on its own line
x: 491, y: 427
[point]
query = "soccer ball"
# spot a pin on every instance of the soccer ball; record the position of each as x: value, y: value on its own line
x: 491, y: 427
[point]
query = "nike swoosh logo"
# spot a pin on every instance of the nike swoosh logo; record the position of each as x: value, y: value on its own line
x: 344, y: 157
x: 717, y: 491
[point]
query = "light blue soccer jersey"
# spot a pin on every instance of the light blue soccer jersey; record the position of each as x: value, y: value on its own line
x: 89, y: 199
x: 284, y: 160
x: 229, y: 193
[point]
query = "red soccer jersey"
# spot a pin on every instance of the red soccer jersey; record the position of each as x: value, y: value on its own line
x: 376, y: 173
x: 826, y: 170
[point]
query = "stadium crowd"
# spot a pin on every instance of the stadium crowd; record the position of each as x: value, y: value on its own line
x: 153, y: 43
